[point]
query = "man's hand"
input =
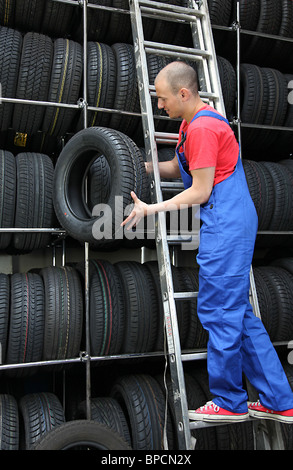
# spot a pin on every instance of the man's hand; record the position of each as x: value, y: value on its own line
x: 138, y: 212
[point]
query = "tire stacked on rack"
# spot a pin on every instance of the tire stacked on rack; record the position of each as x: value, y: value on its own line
x: 271, y: 188
x: 26, y: 183
x: 33, y: 82
x: 26, y: 331
x: 265, y: 102
x: 274, y: 291
x: 40, y: 413
x: 63, y: 319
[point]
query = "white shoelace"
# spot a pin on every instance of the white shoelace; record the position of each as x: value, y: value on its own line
x: 255, y: 403
x: 209, y: 405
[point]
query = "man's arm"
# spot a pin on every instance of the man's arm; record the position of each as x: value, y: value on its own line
x: 198, y: 193
x: 169, y: 169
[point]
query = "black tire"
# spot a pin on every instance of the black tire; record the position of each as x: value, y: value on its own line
x: 70, y: 171
x: 119, y: 29
x: 254, y: 99
x: 126, y: 89
x: 63, y: 313
x: 9, y: 431
x: 220, y: 12
x: 7, y: 197
x: 282, y: 217
x: 97, y: 22
x: 41, y: 412
x: 228, y: 83
x: 260, y: 185
x: 285, y: 140
x: 28, y: 15
x: 281, y: 54
x: 276, y: 105
x: 143, y: 403
x: 57, y: 19
x: 107, y: 314
x: 10, y: 52
x: 37, y: 53
x: 26, y: 326
x: 160, y: 337
x: 283, y: 288
x: 64, y: 86
x: 140, y: 303
x: 270, y: 17
x: 107, y: 411
x: 101, y: 79
x: 81, y: 434
x: 7, y: 13
x: 34, y: 200
x: 4, y: 314
x: 267, y: 301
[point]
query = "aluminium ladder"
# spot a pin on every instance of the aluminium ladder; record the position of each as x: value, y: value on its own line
x: 203, y: 53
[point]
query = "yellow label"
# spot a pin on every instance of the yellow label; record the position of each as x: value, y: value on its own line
x: 20, y: 139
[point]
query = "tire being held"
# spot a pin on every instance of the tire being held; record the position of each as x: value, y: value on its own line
x: 101, y: 227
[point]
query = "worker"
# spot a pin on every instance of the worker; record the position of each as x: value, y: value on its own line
x: 208, y: 160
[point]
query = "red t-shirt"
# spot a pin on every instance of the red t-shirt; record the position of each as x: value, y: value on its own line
x: 210, y: 142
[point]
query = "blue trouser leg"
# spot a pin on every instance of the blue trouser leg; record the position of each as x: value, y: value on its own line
x: 238, y: 342
x: 223, y: 320
x: 262, y: 366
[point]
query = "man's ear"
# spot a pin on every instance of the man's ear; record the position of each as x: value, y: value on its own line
x: 184, y: 94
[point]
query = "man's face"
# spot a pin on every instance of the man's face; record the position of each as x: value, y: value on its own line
x: 171, y: 103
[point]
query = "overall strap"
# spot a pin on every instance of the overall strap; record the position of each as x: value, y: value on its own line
x: 210, y: 114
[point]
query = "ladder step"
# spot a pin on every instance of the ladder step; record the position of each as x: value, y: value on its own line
x: 172, y: 186
x: 163, y: 137
x: 169, y: 12
x: 171, y: 50
x: 185, y: 295
x: 203, y: 94
x: 184, y: 239
x: 203, y: 424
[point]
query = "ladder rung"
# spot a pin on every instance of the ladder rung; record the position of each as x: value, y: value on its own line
x: 162, y: 137
x: 185, y: 295
x: 170, y: 49
x: 203, y: 424
x: 202, y: 94
x: 169, y: 186
x: 169, y: 12
x: 193, y: 356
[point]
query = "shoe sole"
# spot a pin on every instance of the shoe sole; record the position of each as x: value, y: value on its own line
x: 274, y: 417
x: 217, y: 418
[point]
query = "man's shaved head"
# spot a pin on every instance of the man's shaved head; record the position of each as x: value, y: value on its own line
x: 179, y: 75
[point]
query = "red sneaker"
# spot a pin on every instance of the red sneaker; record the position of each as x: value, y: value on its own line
x: 257, y: 410
x: 211, y: 412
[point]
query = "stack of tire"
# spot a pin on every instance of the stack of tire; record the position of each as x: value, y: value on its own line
x: 26, y: 183
x: 41, y: 317
x: 271, y: 188
x: 264, y: 101
x: 132, y: 416
x: 273, y: 17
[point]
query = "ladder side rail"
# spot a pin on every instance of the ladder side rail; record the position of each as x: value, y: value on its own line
x: 207, y: 42
x: 171, y: 325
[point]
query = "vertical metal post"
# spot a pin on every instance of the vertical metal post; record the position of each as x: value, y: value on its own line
x: 86, y: 245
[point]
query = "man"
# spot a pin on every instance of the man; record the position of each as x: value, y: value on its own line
x: 207, y: 157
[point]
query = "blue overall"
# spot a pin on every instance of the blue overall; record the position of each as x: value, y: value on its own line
x: 238, y: 341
